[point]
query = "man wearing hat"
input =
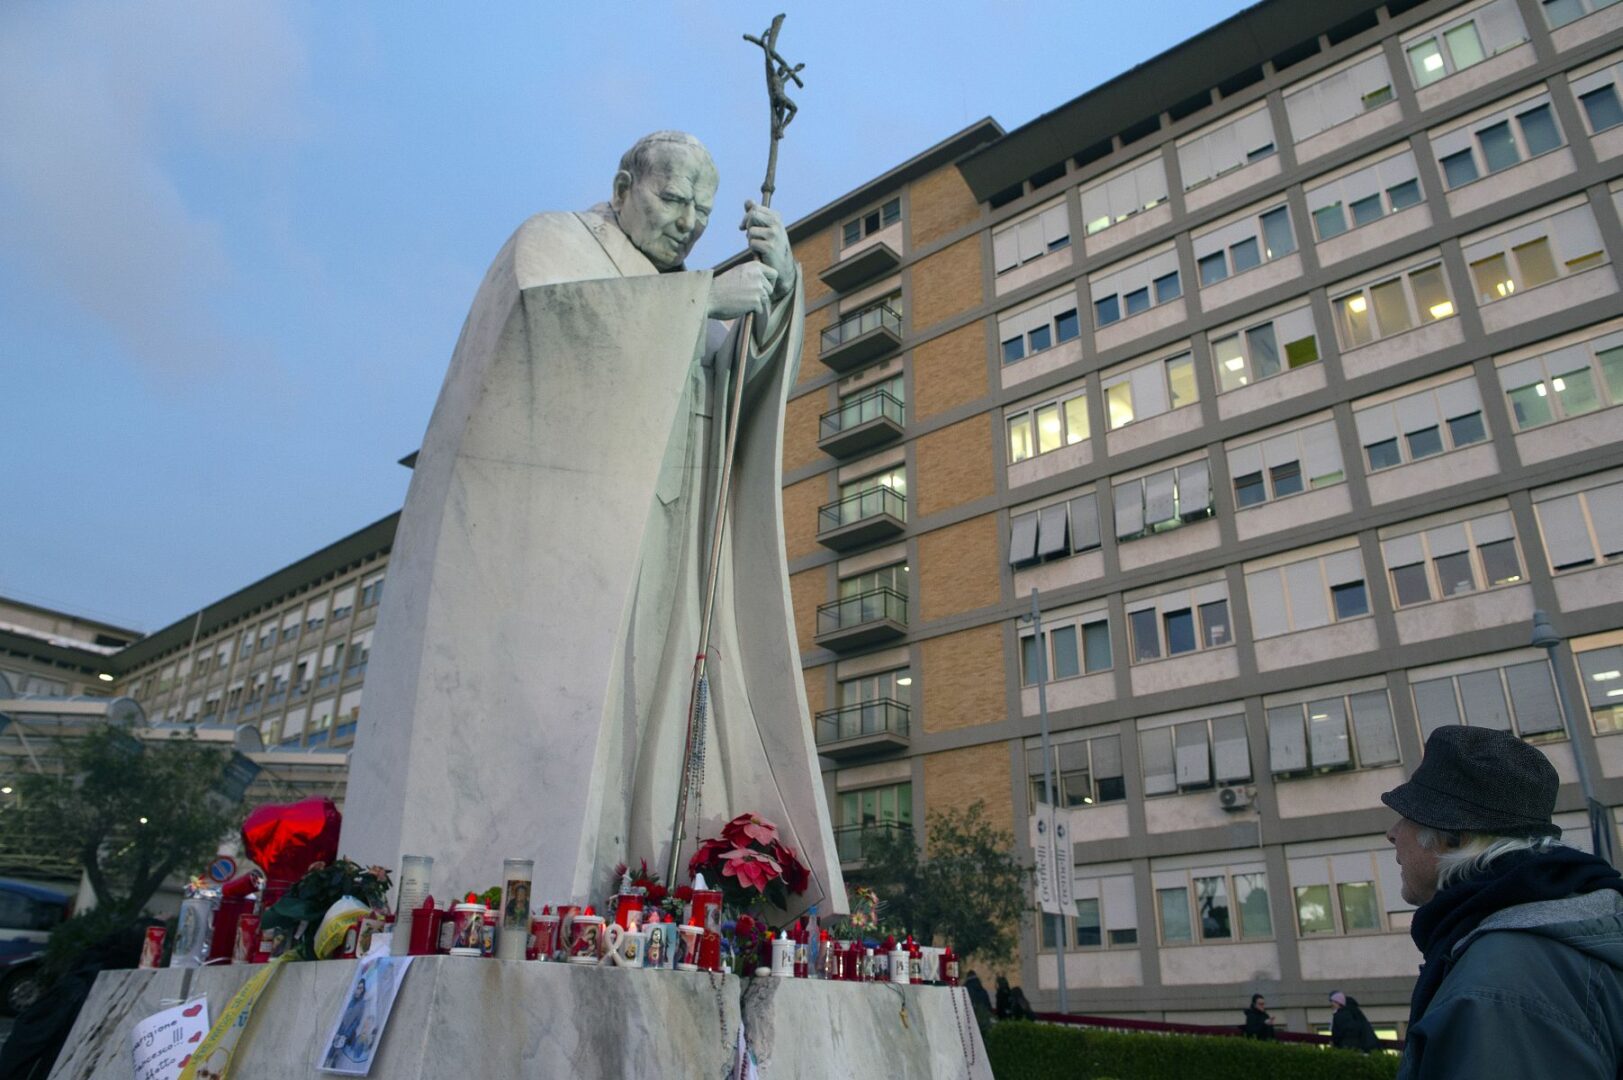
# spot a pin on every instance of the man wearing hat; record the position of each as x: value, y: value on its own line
x: 1522, y: 938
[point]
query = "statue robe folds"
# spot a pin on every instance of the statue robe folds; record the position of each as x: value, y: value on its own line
x: 528, y: 688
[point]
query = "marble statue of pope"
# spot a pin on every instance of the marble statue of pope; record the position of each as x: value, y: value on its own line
x: 528, y: 689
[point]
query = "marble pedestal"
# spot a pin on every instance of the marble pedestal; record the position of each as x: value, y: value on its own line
x: 456, y: 1016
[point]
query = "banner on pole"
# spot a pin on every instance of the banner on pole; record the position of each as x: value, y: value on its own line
x: 1044, y: 880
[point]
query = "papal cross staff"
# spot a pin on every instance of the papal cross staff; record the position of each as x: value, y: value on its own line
x: 779, y: 73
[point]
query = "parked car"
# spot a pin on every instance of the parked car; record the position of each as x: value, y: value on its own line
x: 28, y: 914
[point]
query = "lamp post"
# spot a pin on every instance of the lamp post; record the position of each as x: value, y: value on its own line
x: 1600, y: 819
x: 1057, y: 842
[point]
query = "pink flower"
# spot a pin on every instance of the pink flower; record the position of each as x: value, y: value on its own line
x: 750, y: 868
x: 747, y: 827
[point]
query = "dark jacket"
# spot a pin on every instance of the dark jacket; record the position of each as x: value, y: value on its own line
x: 1257, y: 1025
x: 1535, y: 990
x: 1350, y: 1029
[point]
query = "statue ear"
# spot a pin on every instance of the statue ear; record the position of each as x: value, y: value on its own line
x: 622, y: 184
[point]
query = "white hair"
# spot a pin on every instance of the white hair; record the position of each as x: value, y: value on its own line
x: 646, y: 152
x: 1461, y: 856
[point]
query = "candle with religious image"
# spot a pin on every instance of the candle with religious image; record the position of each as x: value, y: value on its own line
x: 707, y: 916
x: 585, y: 938
x: 514, y: 940
x: 468, y: 928
x: 414, y: 871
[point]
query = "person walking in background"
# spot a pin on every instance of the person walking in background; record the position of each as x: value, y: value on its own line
x: 1349, y: 1027
x: 1522, y: 938
x: 1259, y: 1023
x: 1001, y: 1009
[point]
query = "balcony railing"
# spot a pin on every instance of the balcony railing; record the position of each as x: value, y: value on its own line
x: 862, y: 337
x: 861, y: 423
x: 863, y: 518
x: 851, y: 840
x: 863, y: 728
x: 853, y: 621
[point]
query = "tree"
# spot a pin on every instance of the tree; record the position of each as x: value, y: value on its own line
x: 965, y: 888
x: 131, y: 813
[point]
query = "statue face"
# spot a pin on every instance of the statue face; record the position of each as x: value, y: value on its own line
x: 664, y: 211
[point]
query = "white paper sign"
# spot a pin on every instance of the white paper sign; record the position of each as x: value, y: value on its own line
x: 162, y: 1043
x: 1043, y: 854
x: 1064, y: 872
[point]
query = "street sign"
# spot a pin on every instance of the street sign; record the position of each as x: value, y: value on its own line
x: 222, y: 869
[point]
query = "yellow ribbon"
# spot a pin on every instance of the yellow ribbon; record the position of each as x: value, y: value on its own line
x: 222, y: 1039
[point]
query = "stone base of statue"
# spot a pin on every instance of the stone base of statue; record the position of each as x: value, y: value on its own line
x: 458, y: 1016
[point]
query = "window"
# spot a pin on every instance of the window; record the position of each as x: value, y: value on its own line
x: 1229, y: 904
x: 1045, y: 428
x: 878, y: 493
x: 1531, y: 255
x: 1106, y: 915
x: 343, y: 603
x: 868, y: 705
x: 1582, y: 529
x: 1307, y: 594
x: 360, y: 650
x: 1568, y: 382
x: 316, y: 617
x: 1559, y: 13
x: 1241, y: 245
x: 1115, y: 199
x: 267, y: 635
x: 1344, y: 893
x: 371, y: 591
x: 1265, y: 350
x: 1285, y: 464
x: 1421, y: 424
x: 1038, y: 327
x: 1602, y: 110
x: 1055, y: 531
x: 1181, y: 621
x: 1077, y: 645
x: 1089, y: 771
x: 870, y: 810
x: 1602, y: 673
x: 1163, y: 500
x: 1194, y: 755
x: 1452, y: 560
x: 1330, y: 733
x: 1135, y: 289
x: 1338, y: 97
x: 1030, y: 238
x: 332, y: 656
x: 1462, y: 43
x: 1497, y: 142
x: 1364, y: 196
x: 874, y: 220
x: 1518, y: 697
x: 1226, y: 148
x: 1150, y: 390
x: 1392, y: 306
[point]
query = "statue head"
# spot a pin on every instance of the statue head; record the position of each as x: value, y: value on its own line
x: 663, y: 195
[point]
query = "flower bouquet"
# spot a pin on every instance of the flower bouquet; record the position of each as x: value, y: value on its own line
x: 749, y: 864
x: 300, y: 910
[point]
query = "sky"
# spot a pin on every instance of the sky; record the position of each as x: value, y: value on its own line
x: 238, y: 238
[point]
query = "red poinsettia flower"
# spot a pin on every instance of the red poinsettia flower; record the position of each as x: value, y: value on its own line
x: 684, y: 893
x: 708, y: 853
x: 750, y: 868
x: 747, y: 827
x: 795, y: 875
x: 656, y: 893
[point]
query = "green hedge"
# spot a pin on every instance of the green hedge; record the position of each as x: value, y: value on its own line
x: 1025, y: 1051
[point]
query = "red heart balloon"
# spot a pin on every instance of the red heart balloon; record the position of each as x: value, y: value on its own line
x: 284, y: 839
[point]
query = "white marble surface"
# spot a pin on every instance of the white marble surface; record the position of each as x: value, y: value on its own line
x: 457, y: 1017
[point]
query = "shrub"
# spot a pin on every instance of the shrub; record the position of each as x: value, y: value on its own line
x: 1019, y: 1050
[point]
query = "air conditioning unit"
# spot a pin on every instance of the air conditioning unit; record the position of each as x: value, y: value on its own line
x: 1236, y: 798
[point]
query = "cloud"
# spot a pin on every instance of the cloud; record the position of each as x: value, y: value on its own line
x: 107, y: 110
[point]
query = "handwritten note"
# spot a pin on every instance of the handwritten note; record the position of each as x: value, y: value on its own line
x: 162, y: 1044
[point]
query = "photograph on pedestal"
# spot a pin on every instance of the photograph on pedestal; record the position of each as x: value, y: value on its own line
x: 357, y: 1031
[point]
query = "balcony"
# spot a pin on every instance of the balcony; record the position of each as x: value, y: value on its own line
x: 861, y: 519
x: 861, y: 423
x: 867, y: 335
x: 867, y: 727
x: 861, y: 267
x: 865, y: 619
x: 850, y: 840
